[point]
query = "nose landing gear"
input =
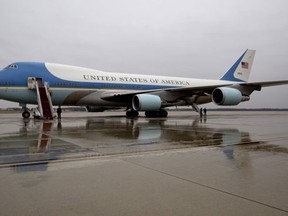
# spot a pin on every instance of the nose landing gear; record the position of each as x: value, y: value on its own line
x: 26, y: 114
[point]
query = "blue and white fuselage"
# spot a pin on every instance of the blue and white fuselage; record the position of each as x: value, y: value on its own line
x: 77, y: 86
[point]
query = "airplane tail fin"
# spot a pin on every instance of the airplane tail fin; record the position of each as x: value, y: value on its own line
x: 240, y: 70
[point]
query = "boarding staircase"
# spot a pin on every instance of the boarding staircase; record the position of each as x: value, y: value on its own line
x: 44, y: 101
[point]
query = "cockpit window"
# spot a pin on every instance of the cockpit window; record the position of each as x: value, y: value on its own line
x: 13, y: 66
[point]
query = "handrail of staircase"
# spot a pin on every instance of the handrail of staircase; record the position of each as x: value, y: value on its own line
x: 46, y: 85
x: 39, y: 99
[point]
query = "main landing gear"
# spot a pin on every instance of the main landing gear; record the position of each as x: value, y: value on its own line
x: 132, y: 114
x: 149, y: 114
x: 156, y: 114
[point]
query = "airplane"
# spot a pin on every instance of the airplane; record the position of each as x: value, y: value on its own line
x: 48, y: 85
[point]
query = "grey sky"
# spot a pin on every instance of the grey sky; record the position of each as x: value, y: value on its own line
x: 197, y: 39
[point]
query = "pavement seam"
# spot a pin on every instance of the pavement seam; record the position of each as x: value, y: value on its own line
x: 206, y: 186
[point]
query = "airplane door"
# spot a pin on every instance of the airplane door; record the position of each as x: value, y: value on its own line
x: 32, y: 82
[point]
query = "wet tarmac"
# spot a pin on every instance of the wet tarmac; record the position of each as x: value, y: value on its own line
x: 226, y: 163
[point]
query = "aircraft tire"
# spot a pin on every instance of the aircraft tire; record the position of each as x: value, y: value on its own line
x: 156, y: 114
x: 25, y: 114
x: 132, y: 114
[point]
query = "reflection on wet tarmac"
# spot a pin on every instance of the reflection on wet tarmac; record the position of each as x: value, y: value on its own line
x: 43, y: 141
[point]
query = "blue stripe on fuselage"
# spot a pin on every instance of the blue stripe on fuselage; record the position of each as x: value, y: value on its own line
x: 18, y: 77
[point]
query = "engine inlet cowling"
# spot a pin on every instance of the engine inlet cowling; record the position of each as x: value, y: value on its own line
x: 146, y: 102
x: 228, y: 96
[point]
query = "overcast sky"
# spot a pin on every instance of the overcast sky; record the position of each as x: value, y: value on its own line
x: 187, y: 38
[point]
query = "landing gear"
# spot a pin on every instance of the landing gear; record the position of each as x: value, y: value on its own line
x: 150, y: 114
x: 26, y: 114
x: 132, y: 114
x: 158, y: 113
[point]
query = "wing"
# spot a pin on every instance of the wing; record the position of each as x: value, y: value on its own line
x: 182, y: 91
x: 201, y: 90
x: 266, y: 84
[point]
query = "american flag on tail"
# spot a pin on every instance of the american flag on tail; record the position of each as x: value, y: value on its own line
x: 245, y: 65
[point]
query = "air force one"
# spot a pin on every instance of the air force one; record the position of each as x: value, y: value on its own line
x: 48, y: 85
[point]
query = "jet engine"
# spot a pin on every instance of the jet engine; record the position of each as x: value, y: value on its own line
x: 228, y: 96
x: 146, y: 102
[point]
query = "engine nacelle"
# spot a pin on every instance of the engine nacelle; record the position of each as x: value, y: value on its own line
x: 228, y: 96
x: 146, y: 102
